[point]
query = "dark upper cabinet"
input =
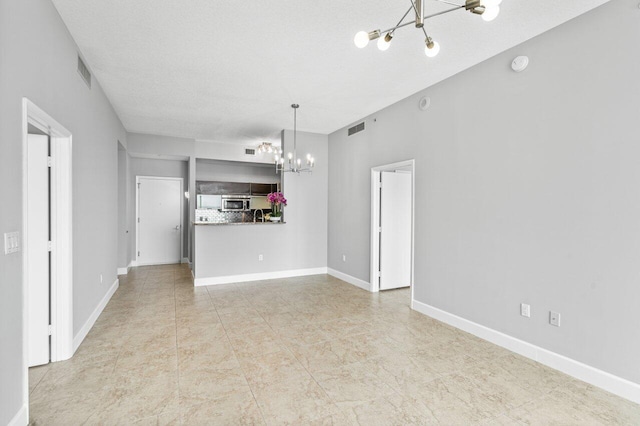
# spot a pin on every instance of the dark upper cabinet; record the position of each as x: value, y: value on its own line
x: 223, y: 188
x: 261, y: 188
x: 234, y: 188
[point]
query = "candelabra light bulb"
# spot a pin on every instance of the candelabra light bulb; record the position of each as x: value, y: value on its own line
x: 361, y: 39
x: 432, y: 48
x: 490, y: 3
x: 491, y: 13
x: 384, y: 42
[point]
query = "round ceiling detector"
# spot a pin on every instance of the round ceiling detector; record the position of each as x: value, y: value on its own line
x: 424, y: 103
x: 520, y: 63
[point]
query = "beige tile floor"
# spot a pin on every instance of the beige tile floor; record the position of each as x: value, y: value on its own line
x: 311, y: 350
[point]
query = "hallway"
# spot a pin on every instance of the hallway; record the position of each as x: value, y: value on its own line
x: 308, y: 350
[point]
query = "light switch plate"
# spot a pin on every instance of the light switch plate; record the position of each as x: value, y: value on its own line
x: 11, y: 242
x: 554, y: 318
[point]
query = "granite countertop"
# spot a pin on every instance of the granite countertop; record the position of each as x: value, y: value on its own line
x: 238, y: 223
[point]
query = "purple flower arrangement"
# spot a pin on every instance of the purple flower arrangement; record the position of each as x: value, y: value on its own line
x: 277, y: 200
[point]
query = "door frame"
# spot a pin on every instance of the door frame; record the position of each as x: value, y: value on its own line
x: 136, y: 263
x: 61, y: 236
x: 375, y: 220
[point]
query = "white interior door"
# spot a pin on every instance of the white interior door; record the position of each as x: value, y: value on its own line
x: 395, y: 230
x: 38, y: 249
x: 159, y: 220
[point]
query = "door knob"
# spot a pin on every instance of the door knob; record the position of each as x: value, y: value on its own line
x: 177, y: 227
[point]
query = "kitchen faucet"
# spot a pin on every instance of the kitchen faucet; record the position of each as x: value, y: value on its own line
x: 261, y: 215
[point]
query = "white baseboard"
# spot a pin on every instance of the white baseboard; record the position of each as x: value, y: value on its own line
x: 157, y: 263
x: 258, y: 277
x: 21, y: 418
x: 351, y: 280
x: 185, y: 260
x: 78, y: 338
x: 125, y: 270
x: 602, y: 379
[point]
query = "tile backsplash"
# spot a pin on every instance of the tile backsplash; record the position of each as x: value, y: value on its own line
x: 217, y: 216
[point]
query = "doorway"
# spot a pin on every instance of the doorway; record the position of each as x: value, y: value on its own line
x: 159, y: 220
x: 392, y: 226
x: 47, y: 262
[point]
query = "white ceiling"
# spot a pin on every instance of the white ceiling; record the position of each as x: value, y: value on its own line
x: 228, y: 70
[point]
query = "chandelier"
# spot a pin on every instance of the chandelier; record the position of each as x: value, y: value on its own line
x: 266, y: 147
x: 488, y: 9
x: 294, y: 164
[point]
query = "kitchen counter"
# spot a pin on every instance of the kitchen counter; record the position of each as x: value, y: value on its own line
x: 238, y: 223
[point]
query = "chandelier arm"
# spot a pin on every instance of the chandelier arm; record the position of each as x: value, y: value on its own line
x: 401, y: 19
x: 444, y: 11
x: 450, y: 3
x: 426, y: 17
x: 426, y: 36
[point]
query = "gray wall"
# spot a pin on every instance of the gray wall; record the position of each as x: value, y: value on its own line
x: 526, y: 190
x: 124, y: 207
x: 159, y: 168
x: 300, y: 243
x: 38, y: 60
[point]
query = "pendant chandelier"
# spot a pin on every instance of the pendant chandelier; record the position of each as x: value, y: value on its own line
x: 488, y: 9
x: 267, y: 147
x: 294, y: 164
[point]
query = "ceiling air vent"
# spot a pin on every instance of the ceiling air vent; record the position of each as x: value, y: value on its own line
x: 84, y: 72
x: 250, y: 151
x: 357, y: 128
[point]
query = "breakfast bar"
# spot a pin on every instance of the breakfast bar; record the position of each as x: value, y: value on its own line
x: 233, y: 252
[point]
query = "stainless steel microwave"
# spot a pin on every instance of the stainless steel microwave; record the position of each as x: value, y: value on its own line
x: 236, y: 203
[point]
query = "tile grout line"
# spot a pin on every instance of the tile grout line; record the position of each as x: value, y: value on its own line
x: 255, y: 399
x: 286, y: 347
x: 175, y: 323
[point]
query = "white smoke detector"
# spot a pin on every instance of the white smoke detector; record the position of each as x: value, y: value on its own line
x: 520, y: 63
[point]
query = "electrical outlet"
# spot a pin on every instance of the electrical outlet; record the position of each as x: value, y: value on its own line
x: 554, y: 318
x: 525, y: 310
x: 260, y: 258
x: 344, y: 257
x: 11, y: 242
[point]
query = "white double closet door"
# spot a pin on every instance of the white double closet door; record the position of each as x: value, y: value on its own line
x: 159, y: 220
x: 38, y: 283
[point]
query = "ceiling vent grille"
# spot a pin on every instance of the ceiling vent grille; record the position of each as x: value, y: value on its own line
x: 84, y: 72
x: 355, y: 129
x: 250, y: 151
